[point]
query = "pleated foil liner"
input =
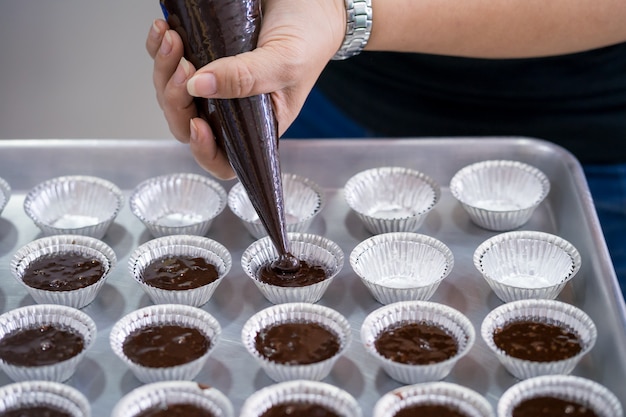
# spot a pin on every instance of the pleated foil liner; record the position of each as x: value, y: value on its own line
x: 566, y: 387
x: 74, y: 204
x: 296, y: 312
x: 165, y: 314
x: 452, y: 321
x: 459, y: 398
x: 44, y: 393
x: 303, y: 201
x: 301, y: 391
x: 314, y: 249
x: 5, y: 194
x: 166, y: 393
x: 401, y: 266
x: 527, y: 264
x: 391, y: 199
x: 178, y: 204
x: 500, y: 195
x: 180, y: 245
x: 47, y: 314
x: 60, y: 244
x: 545, y: 311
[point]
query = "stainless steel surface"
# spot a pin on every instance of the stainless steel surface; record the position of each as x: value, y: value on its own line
x: 103, y: 378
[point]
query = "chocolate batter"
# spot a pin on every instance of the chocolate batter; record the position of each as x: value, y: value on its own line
x: 416, y: 343
x: 305, y: 275
x: 551, y: 407
x: 63, y: 272
x: 179, y: 273
x: 176, y: 410
x: 160, y: 346
x: 36, y: 411
x: 536, y: 341
x: 429, y: 410
x: 299, y: 409
x: 38, y: 346
x: 296, y: 343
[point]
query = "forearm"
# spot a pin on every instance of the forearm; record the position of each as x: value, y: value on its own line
x: 496, y: 28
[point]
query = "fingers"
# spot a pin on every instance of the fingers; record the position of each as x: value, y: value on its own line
x: 206, y: 152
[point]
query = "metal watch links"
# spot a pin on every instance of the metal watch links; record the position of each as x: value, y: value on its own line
x: 358, y: 28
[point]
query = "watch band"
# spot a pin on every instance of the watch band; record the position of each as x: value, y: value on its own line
x: 358, y: 28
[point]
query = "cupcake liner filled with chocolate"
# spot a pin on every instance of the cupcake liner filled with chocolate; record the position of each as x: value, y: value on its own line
x: 559, y: 395
x: 304, y: 200
x: 500, y: 195
x: 527, y: 264
x: 179, y: 398
x: 401, y: 266
x: 180, y: 269
x: 538, y: 337
x: 296, y: 340
x: 165, y: 341
x: 63, y: 269
x: 178, y: 204
x: 437, y: 398
x: 5, y: 194
x: 74, y: 204
x: 391, y: 199
x: 320, y: 261
x: 43, y: 398
x: 417, y: 341
x: 44, y: 342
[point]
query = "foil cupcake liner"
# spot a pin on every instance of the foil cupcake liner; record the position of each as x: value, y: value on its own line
x: 401, y: 266
x: 47, y: 314
x: 161, y: 314
x: 545, y: 311
x: 44, y: 393
x: 54, y: 245
x: 500, y: 195
x: 454, y: 322
x: 457, y: 397
x: 296, y: 312
x: 166, y: 393
x: 180, y: 245
x: 301, y: 391
x: 391, y: 199
x: 304, y: 200
x: 74, y: 204
x: 178, y: 204
x: 566, y: 387
x: 5, y: 194
x: 527, y: 264
x: 314, y: 249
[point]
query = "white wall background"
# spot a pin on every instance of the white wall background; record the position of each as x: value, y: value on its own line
x: 77, y: 69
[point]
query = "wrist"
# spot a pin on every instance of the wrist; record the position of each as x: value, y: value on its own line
x: 358, y: 28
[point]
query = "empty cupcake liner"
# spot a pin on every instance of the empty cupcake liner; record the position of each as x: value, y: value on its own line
x: 459, y: 398
x: 454, y: 322
x: 314, y: 249
x: 170, y: 314
x: 47, y: 314
x: 166, y: 393
x: 178, y: 204
x: 544, y: 311
x: 391, y: 199
x: 59, y: 244
x: 583, y: 391
x: 303, y: 200
x: 74, y: 204
x: 401, y: 266
x: 44, y: 393
x: 500, y: 195
x: 527, y: 264
x: 5, y: 193
x: 296, y: 312
x: 180, y: 245
x: 301, y: 391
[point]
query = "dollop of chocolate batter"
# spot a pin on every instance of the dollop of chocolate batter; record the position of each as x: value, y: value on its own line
x: 416, y: 343
x: 176, y: 410
x: 42, y: 345
x: 429, y: 410
x: 63, y: 272
x: 551, y: 407
x: 305, y: 274
x: 36, y: 411
x: 179, y: 273
x: 300, y: 409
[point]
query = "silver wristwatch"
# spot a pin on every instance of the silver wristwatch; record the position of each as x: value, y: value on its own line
x: 358, y: 28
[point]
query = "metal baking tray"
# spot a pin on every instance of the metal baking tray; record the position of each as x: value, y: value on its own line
x: 568, y: 212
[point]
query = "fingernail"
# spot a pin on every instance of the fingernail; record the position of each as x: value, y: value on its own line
x: 166, y: 44
x: 202, y: 85
x: 156, y: 32
x: 182, y: 71
x: 193, y: 131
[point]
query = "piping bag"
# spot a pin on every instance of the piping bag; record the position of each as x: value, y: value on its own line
x: 246, y: 128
